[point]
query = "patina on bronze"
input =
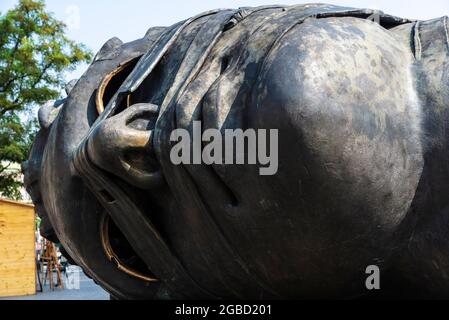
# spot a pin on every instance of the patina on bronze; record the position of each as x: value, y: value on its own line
x: 361, y: 109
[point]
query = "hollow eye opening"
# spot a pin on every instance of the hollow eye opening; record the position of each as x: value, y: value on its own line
x: 119, y: 251
x: 112, y: 82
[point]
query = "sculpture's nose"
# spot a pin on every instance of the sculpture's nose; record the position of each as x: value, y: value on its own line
x: 122, y: 145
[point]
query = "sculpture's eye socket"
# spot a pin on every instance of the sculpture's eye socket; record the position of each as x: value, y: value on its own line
x: 120, y: 252
x: 112, y: 82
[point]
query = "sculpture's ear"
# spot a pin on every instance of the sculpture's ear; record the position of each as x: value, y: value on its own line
x: 48, y: 112
x: 122, y: 145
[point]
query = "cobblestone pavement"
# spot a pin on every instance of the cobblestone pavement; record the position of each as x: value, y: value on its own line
x: 88, y: 290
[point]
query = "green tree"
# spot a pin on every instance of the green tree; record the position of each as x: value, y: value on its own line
x: 35, y: 53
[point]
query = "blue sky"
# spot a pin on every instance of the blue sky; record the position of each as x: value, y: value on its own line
x: 93, y: 22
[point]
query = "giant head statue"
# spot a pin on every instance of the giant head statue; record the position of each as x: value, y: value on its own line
x: 342, y: 117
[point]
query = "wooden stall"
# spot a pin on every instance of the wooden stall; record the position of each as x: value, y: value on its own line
x: 17, y: 249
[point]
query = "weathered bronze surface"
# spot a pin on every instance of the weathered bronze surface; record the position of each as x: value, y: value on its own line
x: 362, y: 113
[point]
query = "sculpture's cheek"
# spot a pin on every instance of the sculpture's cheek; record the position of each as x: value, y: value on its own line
x: 341, y: 93
x: 352, y: 108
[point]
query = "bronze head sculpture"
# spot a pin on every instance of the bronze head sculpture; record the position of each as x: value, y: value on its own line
x: 361, y: 113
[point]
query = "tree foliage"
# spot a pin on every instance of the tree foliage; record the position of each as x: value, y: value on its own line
x: 35, y: 53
